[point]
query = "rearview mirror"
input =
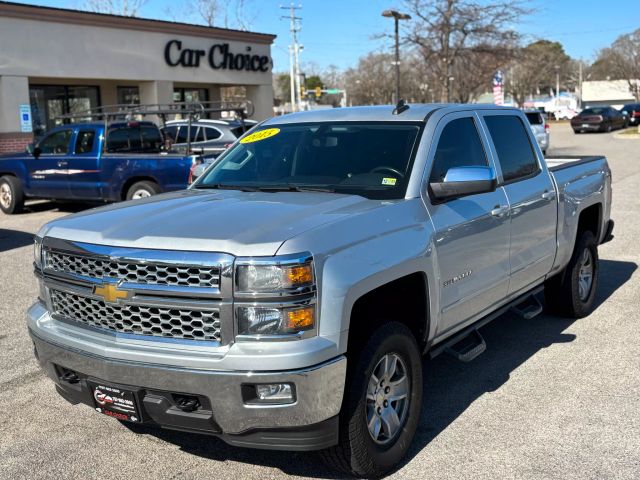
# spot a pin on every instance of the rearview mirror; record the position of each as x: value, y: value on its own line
x: 461, y: 181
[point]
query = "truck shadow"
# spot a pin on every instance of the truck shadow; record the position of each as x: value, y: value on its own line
x: 450, y: 386
x: 10, y: 239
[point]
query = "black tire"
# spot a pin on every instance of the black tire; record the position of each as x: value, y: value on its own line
x: 562, y: 292
x: 609, y: 128
x: 145, y: 187
x: 11, y: 195
x: 576, y: 131
x: 357, y: 453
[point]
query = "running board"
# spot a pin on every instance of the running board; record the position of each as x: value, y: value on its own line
x: 449, y: 343
x: 529, y: 308
x: 467, y: 348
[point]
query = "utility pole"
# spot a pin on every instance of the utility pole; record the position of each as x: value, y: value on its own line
x: 294, y: 54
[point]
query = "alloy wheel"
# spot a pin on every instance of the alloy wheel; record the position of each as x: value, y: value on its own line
x: 585, y: 275
x: 387, y: 399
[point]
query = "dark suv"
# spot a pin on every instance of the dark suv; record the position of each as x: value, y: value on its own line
x: 207, y: 136
x: 631, y: 112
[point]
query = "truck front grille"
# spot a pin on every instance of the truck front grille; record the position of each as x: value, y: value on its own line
x: 147, y: 273
x: 185, y: 323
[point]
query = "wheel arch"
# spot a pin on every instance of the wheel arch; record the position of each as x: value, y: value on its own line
x: 132, y: 180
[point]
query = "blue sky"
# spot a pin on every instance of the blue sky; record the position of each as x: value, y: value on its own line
x: 338, y: 32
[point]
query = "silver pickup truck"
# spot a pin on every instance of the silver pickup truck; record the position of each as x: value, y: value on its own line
x: 284, y: 301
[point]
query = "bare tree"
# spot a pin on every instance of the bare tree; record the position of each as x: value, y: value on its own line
x: 128, y: 8
x: 534, y: 69
x: 444, y: 31
x: 621, y: 61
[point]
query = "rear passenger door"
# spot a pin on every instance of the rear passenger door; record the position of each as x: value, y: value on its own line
x: 531, y: 195
x: 471, y: 232
x: 84, y: 166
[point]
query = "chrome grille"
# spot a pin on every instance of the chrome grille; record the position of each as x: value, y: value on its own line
x: 148, y: 273
x: 171, y: 322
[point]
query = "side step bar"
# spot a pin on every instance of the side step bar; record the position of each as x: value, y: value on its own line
x: 468, y: 347
x: 467, y: 344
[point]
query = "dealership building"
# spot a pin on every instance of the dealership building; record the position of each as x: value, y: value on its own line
x: 58, y: 61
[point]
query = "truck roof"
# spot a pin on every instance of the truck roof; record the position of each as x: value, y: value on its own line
x: 417, y: 112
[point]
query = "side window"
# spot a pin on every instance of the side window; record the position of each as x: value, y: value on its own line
x: 200, y: 135
x: 171, y: 132
x: 184, y: 131
x: 459, y: 146
x: 212, y: 133
x: 514, y: 149
x: 57, y: 143
x: 118, y: 140
x: 84, y: 142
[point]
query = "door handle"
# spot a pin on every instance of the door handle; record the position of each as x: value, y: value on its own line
x: 500, y: 211
x: 549, y: 195
x: 62, y: 163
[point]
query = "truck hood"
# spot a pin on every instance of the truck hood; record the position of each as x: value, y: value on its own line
x: 235, y: 222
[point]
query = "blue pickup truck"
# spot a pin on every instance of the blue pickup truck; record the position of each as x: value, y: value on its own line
x: 72, y: 162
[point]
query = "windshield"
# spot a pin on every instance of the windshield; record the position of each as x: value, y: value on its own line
x: 368, y: 159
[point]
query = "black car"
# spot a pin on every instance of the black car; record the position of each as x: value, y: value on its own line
x: 631, y: 112
x: 598, y: 119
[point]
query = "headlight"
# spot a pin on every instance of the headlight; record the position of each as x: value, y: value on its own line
x: 37, y: 251
x: 264, y: 320
x: 274, y: 278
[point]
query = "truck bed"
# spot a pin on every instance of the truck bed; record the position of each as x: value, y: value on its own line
x: 556, y: 163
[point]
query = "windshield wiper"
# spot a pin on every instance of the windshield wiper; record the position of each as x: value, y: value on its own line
x: 294, y: 188
x: 227, y: 186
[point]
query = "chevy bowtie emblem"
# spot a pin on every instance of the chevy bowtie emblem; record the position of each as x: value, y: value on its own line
x: 110, y: 292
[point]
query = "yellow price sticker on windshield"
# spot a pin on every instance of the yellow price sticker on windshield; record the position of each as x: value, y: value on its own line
x: 261, y: 135
x: 388, y: 181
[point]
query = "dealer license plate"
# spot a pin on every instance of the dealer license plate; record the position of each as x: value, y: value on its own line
x: 115, y: 401
x: 585, y: 125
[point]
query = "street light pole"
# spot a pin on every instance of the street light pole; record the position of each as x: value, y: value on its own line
x: 397, y: 16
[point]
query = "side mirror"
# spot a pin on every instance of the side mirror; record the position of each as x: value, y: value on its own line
x: 461, y: 181
x: 36, y: 152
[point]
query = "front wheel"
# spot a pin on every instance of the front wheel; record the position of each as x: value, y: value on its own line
x: 572, y: 293
x: 142, y: 189
x: 381, y: 409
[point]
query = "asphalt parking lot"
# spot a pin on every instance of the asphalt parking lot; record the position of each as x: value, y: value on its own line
x: 550, y: 398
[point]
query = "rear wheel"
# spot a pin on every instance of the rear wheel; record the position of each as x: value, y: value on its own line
x: 142, y: 189
x: 381, y: 408
x: 11, y: 195
x: 572, y: 293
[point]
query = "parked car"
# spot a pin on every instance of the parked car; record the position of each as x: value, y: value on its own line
x: 540, y: 128
x: 631, y: 112
x: 598, y: 119
x: 207, y: 136
x: 284, y: 301
x: 71, y: 162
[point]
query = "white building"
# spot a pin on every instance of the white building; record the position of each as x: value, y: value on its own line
x: 53, y: 61
x: 606, y: 92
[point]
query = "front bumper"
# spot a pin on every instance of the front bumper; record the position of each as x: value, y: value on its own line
x: 309, y: 423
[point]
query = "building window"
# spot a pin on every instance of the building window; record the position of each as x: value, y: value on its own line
x: 128, y: 96
x: 190, y: 94
x: 48, y: 102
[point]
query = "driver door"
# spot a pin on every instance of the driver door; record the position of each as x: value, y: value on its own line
x: 471, y: 232
x: 48, y: 174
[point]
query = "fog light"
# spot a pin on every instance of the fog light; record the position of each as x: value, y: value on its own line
x: 274, y: 393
